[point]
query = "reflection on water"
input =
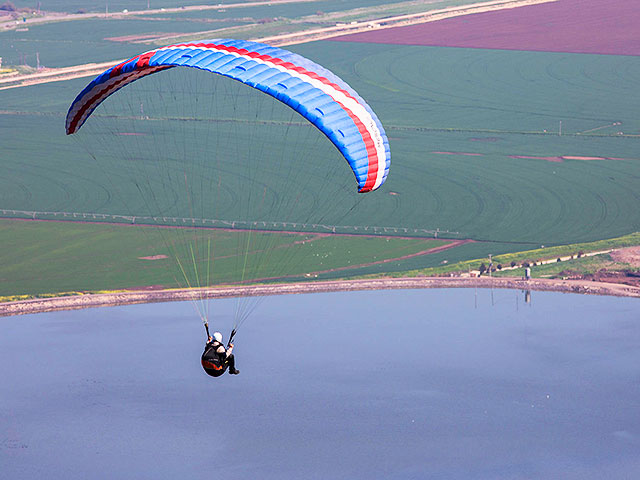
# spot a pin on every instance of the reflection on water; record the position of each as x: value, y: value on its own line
x: 383, y: 384
x: 526, y: 294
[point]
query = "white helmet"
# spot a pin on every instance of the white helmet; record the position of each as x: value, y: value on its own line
x: 217, y: 336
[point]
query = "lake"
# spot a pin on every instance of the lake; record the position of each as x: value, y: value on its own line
x: 397, y: 384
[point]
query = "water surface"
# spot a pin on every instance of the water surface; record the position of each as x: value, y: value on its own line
x: 383, y: 384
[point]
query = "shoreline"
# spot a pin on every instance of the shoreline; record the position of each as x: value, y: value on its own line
x: 75, y: 302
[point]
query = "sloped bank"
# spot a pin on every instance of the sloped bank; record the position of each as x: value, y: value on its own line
x: 134, y: 297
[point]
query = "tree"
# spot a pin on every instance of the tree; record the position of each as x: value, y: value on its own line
x: 580, y: 253
x: 513, y: 263
x: 483, y: 268
x: 499, y: 266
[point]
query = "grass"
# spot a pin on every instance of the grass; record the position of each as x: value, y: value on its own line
x: 295, y: 17
x: 85, y: 41
x: 434, y: 264
x: 568, y: 250
x: 487, y: 90
x: 536, y: 255
x: 581, y: 266
x: 287, y: 10
x: 489, y: 196
x: 494, y: 104
x: 49, y: 257
x: 114, y: 5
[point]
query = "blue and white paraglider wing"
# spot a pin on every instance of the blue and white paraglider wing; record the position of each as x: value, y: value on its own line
x: 313, y: 91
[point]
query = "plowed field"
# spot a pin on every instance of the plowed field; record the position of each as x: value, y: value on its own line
x: 574, y: 26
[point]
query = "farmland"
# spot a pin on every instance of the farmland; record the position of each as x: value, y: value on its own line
x: 97, y: 39
x: 568, y: 26
x: 48, y: 257
x: 513, y: 199
x: 299, y: 8
x: 514, y: 149
x: 58, y: 45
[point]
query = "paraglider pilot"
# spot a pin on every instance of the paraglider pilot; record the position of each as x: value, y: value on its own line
x: 216, y: 358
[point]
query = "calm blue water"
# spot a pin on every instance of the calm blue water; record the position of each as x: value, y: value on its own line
x: 386, y: 384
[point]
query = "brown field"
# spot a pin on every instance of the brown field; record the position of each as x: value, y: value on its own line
x: 572, y: 26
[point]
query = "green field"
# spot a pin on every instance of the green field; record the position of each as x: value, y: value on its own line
x: 582, y: 266
x: 488, y: 196
x: 495, y: 105
x: 86, y: 41
x: 289, y: 10
x: 114, y: 5
x: 48, y: 257
x: 294, y: 17
x: 519, y: 257
x: 294, y: 9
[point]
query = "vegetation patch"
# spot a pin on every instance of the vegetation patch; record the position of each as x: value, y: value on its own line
x: 550, y: 262
x: 42, y: 258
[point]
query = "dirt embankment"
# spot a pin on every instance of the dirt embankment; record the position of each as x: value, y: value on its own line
x: 128, y: 298
x: 628, y: 275
x: 630, y: 255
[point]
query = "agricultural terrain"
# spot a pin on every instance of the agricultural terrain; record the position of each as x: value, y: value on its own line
x: 513, y: 148
x: 567, y: 26
x: 38, y: 255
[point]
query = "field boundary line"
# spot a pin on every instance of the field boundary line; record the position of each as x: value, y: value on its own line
x: 86, y: 70
x: 54, y: 17
x: 396, y: 21
x: 235, y: 225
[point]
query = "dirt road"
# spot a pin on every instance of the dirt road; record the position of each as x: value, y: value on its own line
x: 88, y: 70
x: 49, y: 17
x: 396, y: 21
x: 47, y: 75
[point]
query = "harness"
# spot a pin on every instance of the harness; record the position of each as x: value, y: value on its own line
x: 211, y: 365
x: 212, y: 361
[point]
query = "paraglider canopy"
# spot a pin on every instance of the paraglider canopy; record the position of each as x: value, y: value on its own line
x: 317, y: 94
x: 229, y: 161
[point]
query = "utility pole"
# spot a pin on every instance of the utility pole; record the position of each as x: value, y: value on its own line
x: 560, y: 129
x: 37, y: 60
